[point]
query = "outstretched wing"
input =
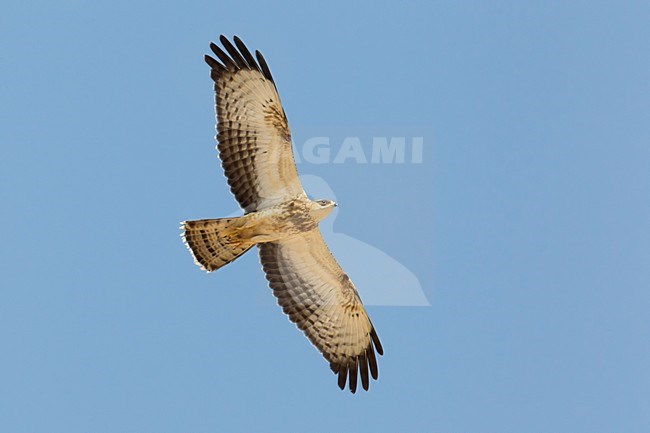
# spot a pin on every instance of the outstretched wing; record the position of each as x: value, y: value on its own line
x: 321, y: 300
x: 253, y: 135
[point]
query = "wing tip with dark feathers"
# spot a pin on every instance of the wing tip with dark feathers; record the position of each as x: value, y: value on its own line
x: 236, y: 57
x: 364, y: 365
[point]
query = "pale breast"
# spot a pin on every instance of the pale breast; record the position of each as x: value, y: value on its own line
x: 290, y: 217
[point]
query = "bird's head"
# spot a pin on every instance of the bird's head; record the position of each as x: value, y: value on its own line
x: 322, y: 208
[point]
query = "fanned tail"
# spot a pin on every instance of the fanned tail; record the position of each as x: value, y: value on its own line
x: 214, y: 242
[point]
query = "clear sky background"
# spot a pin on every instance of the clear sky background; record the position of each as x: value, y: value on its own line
x: 527, y: 223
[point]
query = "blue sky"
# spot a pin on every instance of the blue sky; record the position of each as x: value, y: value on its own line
x: 527, y: 224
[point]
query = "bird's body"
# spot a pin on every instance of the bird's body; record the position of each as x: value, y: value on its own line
x: 288, y: 218
x: 256, y: 154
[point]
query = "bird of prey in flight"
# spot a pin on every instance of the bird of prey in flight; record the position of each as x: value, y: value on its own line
x: 254, y: 145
